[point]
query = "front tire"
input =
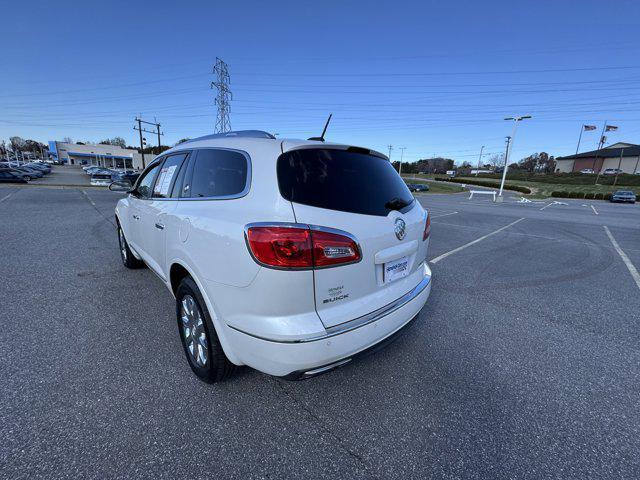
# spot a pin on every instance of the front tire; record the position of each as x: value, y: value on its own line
x: 128, y: 260
x: 199, y: 340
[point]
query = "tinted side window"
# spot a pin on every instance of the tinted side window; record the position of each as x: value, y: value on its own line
x: 146, y: 181
x: 218, y: 173
x: 167, y: 175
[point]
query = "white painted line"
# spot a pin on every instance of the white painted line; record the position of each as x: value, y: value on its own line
x: 88, y: 198
x: 7, y: 196
x: 632, y: 269
x: 443, y: 215
x: 594, y: 210
x: 547, y: 205
x: 455, y: 250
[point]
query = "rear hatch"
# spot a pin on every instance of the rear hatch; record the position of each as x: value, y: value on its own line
x: 359, y: 192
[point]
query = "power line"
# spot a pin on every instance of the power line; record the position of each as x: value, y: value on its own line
x: 224, y: 96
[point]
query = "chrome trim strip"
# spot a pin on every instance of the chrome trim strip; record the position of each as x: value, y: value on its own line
x: 356, y: 322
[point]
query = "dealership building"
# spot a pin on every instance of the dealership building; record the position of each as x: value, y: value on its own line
x: 109, y: 156
x: 625, y: 156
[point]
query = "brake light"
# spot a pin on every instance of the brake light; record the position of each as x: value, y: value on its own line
x: 300, y: 247
x: 427, y: 228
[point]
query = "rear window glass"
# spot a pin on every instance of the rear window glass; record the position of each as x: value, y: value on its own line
x: 342, y: 180
x: 219, y: 173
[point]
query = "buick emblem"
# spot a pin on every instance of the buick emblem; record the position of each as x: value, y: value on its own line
x: 400, y: 228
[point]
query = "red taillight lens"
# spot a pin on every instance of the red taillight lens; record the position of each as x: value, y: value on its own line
x: 282, y: 247
x: 333, y: 249
x: 427, y: 228
x: 299, y: 247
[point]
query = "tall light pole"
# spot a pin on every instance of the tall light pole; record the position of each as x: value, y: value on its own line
x: 515, y: 120
x: 479, y: 159
x: 402, y: 149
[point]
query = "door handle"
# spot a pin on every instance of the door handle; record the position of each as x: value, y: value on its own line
x: 136, y: 217
x: 159, y: 226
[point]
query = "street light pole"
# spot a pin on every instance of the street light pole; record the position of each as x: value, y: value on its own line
x: 510, y: 147
x: 479, y: 159
x: 402, y: 149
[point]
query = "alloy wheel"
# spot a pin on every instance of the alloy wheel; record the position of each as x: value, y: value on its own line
x: 194, y: 334
x: 123, y: 245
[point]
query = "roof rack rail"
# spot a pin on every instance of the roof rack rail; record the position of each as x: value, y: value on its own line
x: 239, y: 133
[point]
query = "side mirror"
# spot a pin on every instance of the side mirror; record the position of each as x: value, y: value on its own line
x: 120, y: 187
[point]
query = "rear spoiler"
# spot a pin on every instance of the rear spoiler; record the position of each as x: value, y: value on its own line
x: 288, y: 146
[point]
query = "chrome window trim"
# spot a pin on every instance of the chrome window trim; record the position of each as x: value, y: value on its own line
x: 305, y: 226
x: 358, y: 322
x: 243, y: 193
x: 247, y: 184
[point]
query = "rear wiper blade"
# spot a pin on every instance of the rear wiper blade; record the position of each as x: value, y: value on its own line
x: 396, y: 204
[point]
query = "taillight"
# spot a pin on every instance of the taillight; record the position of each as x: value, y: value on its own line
x: 333, y: 249
x: 285, y: 247
x: 300, y: 247
x: 427, y: 228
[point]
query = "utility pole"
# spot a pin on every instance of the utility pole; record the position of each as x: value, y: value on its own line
x: 223, y: 97
x: 390, y: 148
x: 515, y: 120
x: 143, y: 140
x: 158, y: 130
x: 402, y: 149
x: 479, y: 159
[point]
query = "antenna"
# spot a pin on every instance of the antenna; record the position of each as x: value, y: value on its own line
x: 321, y: 137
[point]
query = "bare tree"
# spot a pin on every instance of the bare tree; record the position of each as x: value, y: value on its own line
x: 496, y: 160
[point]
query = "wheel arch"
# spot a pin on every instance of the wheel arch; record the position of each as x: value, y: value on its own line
x: 177, y: 271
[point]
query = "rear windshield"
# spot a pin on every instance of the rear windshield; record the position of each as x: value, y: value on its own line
x: 348, y: 181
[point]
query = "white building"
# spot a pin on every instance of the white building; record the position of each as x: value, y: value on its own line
x: 109, y: 156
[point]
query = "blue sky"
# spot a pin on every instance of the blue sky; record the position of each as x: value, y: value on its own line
x: 434, y: 77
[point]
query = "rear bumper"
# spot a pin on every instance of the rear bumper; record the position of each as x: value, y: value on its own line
x: 302, y: 358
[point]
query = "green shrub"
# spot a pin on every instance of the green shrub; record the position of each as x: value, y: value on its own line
x: 589, y: 196
x: 598, y: 196
x: 560, y: 194
x: 607, y: 196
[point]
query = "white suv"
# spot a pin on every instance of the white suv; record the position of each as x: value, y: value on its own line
x: 290, y: 256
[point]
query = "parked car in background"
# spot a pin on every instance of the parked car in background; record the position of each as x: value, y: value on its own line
x: 129, y: 176
x: 281, y: 254
x: 39, y: 166
x: 626, y: 196
x: 587, y: 170
x: 611, y: 171
x: 418, y: 187
x: 9, y: 176
x: 101, y: 179
x: 29, y: 173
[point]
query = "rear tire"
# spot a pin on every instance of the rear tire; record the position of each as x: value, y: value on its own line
x: 128, y: 260
x: 198, y: 335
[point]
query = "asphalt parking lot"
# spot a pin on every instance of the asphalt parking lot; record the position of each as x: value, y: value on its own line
x: 525, y: 363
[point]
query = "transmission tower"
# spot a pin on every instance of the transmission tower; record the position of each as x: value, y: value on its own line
x: 223, y: 97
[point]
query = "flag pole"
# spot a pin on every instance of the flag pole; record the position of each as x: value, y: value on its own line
x: 600, y: 144
x: 579, y: 138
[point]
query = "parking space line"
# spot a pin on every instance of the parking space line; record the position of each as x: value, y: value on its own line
x: 7, y: 196
x: 443, y: 215
x: 594, y: 210
x: 547, y: 205
x: 455, y: 250
x: 632, y: 269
